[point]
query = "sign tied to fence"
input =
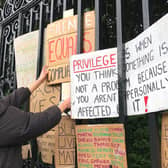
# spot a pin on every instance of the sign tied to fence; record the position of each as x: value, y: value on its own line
x: 94, y: 84
x: 65, y: 143
x: 99, y: 146
x: 147, y: 70
x: 42, y: 98
x: 26, y: 58
x: 62, y: 43
x: 164, y: 140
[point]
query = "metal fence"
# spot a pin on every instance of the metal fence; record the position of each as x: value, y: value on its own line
x: 117, y: 20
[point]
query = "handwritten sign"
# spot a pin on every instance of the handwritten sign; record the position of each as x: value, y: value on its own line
x: 46, y: 145
x: 99, y: 146
x: 41, y: 99
x: 60, y: 73
x: 94, y: 85
x: 147, y: 70
x: 164, y: 140
x: 26, y: 48
x: 65, y: 144
x: 62, y: 43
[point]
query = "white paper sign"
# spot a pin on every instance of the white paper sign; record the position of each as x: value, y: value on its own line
x: 26, y: 48
x: 65, y: 91
x: 147, y: 70
x: 94, y: 85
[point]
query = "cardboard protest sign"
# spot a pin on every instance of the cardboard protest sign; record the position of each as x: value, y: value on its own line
x: 147, y: 70
x: 59, y: 73
x: 65, y: 143
x: 94, y: 84
x: 46, y: 145
x: 26, y: 48
x: 62, y: 43
x: 42, y: 98
x: 101, y: 146
x: 164, y: 140
x: 26, y: 151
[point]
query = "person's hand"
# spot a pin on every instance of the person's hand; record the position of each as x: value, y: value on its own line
x: 43, y: 74
x: 40, y: 80
x: 66, y: 104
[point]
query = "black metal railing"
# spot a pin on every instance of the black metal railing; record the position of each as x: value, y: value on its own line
x: 117, y: 20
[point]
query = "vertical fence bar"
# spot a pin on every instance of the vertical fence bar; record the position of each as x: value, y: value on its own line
x: 41, y: 39
x: 33, y: 142
x: 152, y: 118
x: 64, y: 9
x: 52, y: 11
x: 145, y: 13
x: 1, y: 59
x: 122, y: 104
x: 39, y: 67
x: 64, y: 5
x: 20, y: 28
x: 121, y: 65
x: 97, y: 24
x: 31, y: 20
x: 3, y: 46
x: 26, y: 105
x: 79, y: 42
x: 80, y: 28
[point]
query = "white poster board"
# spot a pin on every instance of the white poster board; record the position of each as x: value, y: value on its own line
x: 147, y: 70
x: 26, y: 48
x: 94, y: 85
x: 65, y: 91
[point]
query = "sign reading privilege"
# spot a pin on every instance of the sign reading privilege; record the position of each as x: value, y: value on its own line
x: 101, y: 146
x: 62, y: 43
x: 94, y: 84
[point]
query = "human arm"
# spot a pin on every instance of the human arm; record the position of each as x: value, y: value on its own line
x: 17, y: 97
x: 66, y: 104
x: 22, y: 126
x: 40, y: 80
x: 20, y: 95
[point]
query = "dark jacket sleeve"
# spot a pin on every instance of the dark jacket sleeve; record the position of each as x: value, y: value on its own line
x: 17, y: 97
x: 22, y: 126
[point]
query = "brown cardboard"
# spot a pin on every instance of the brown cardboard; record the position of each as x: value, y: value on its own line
x: 65, y: 143
x: 89, y: 41
x: 42, y: 98
x: 46, y: 145
x: 68, y: 25
x: 61, y: 48
x: 62, y: 41
x: 25, y: 150
x: 164, y: 140
x: 101, y: 146
x: 59, y: 74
